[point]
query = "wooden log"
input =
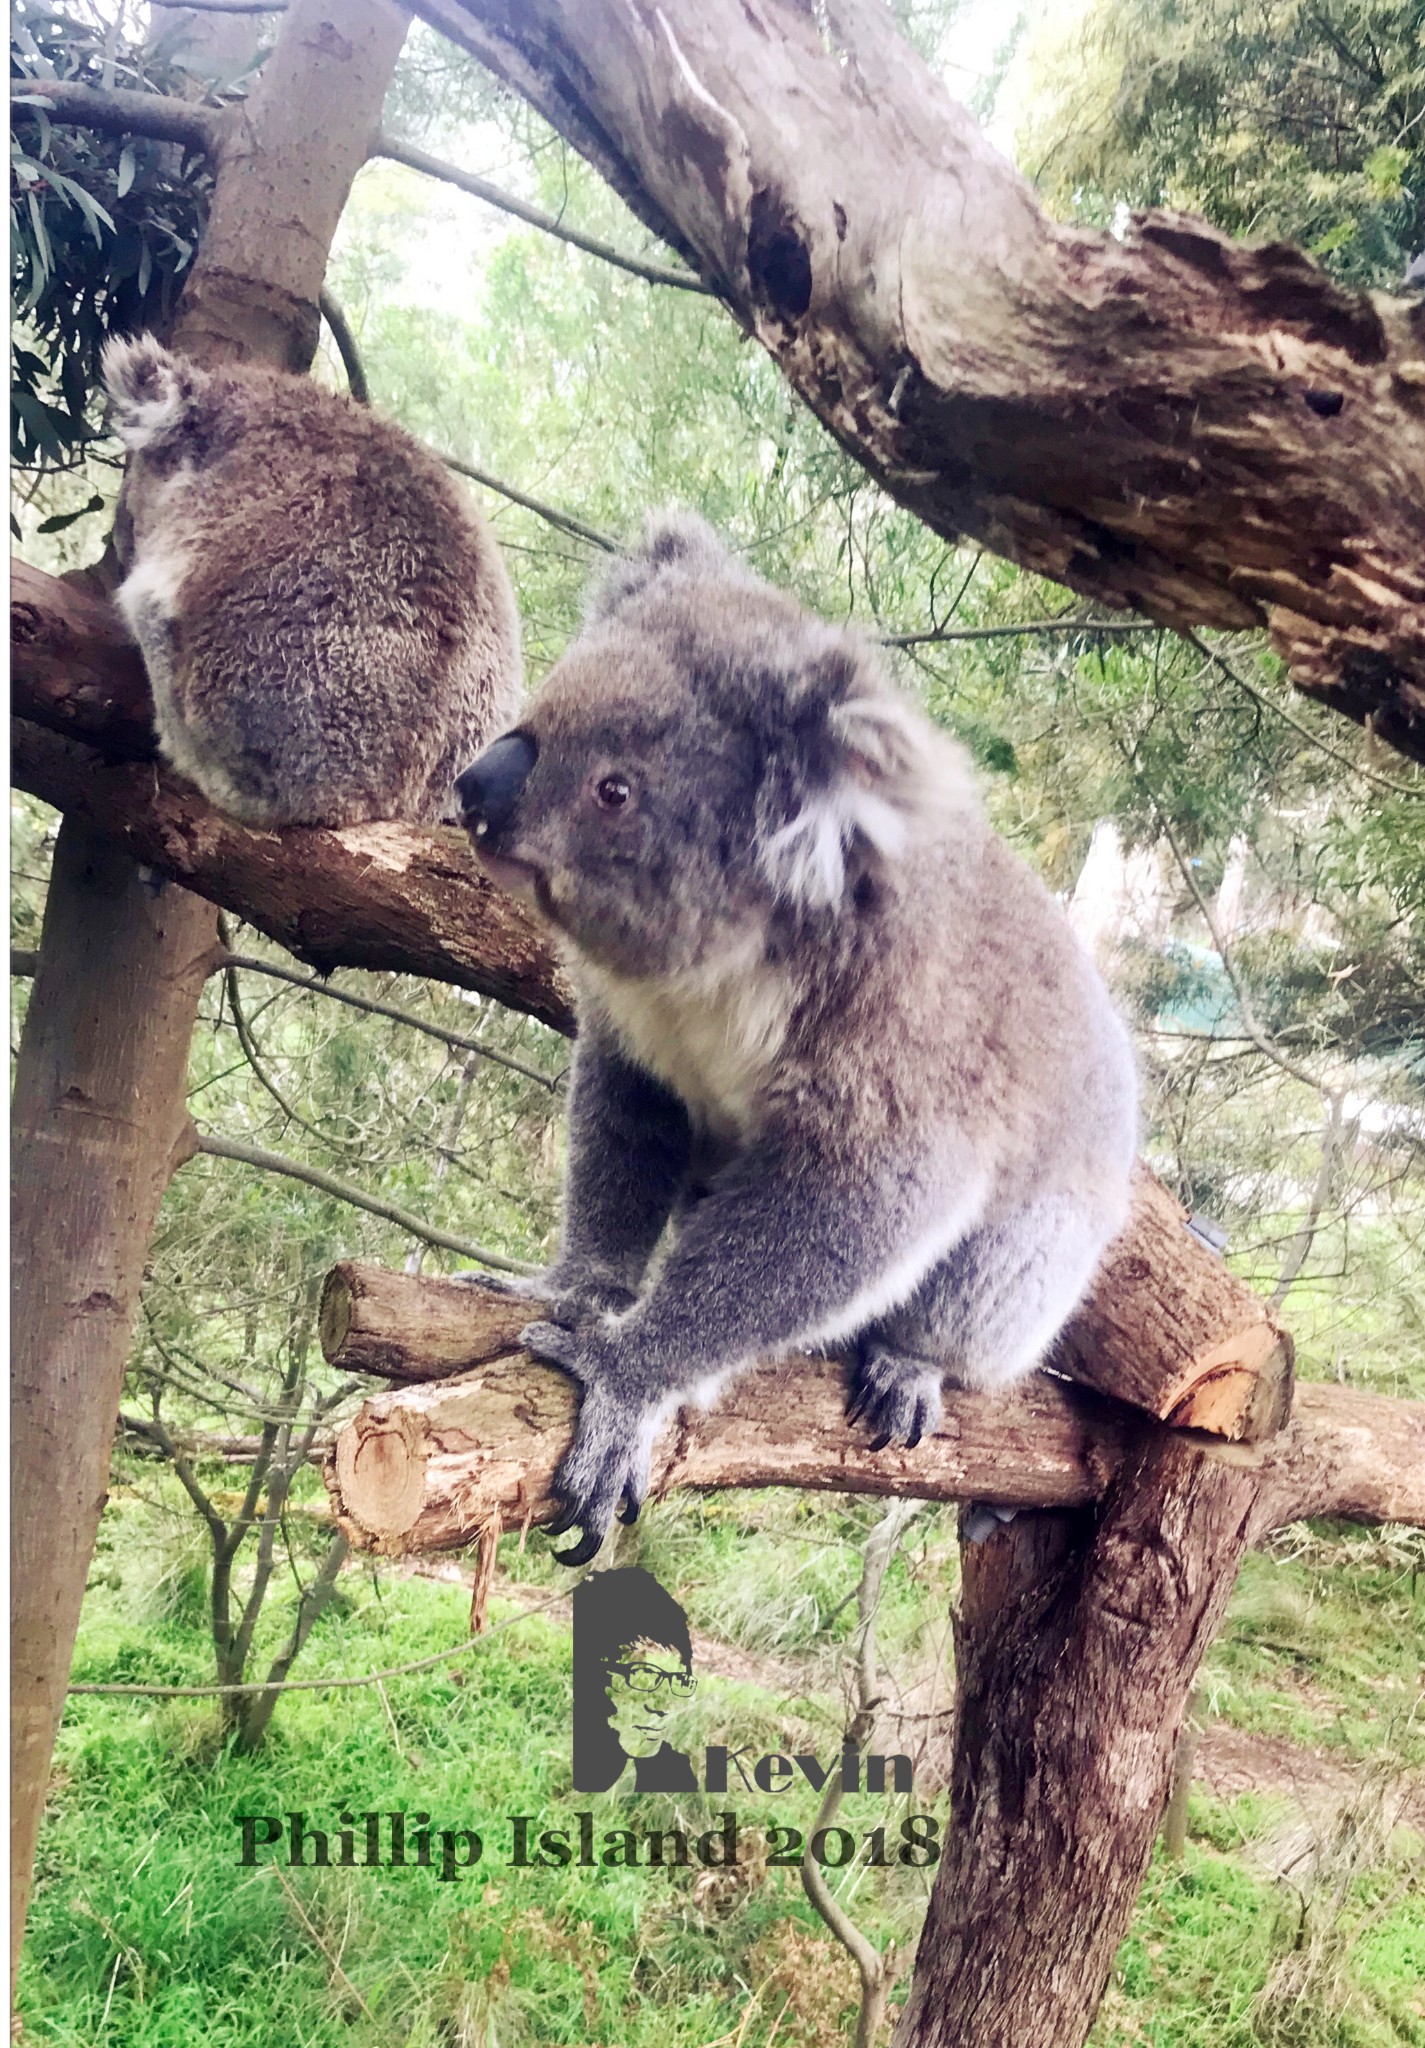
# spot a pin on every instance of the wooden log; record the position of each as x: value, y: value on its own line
x: 1166, y: 1327
x: 426, y: 1466
x: 404, y: 899
x: 1169, y: 1328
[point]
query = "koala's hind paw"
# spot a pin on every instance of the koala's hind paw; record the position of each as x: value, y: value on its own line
x: 898, y: 1398
x: 605, y: 1470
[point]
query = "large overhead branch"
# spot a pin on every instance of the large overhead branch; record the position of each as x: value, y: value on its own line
x: 1213, y: 433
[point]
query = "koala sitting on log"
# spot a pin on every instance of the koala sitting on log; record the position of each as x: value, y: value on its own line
x: 325, y: 619
x: 835, y: 1039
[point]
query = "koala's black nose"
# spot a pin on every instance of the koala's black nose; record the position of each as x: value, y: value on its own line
x: 490, y: 787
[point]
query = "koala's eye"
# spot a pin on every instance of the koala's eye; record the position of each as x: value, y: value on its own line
x: 612, y: 793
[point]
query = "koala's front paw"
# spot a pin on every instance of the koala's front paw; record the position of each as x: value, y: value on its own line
x: 895, y: 1396
x: 605, y: 1470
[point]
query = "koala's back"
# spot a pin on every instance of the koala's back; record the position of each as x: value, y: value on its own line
x: 964, y: 999
x: 328, y: 625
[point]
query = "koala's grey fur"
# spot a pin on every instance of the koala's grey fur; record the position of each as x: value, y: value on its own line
x: 326, y: 622
x: 832, y: 1030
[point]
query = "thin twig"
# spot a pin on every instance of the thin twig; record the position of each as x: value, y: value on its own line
x: 340, y: 330
x: 565, y: 521
x: 875, y: 1970
x: 932, y: 635
x: 344, y: 1191
x: 414, y: 159
x: 253, y: 963
x: 1220, y: 661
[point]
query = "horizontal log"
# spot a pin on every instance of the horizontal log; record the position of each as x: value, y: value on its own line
x: 1166, y: 1328
x: 426, y: 1466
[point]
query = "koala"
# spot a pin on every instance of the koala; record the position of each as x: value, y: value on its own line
x: 327, y: 625
x: 844, y: 1079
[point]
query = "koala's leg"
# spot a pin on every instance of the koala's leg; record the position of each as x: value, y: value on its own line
x: 781, y: 1251
x: 983, y: 1317
x: 629, y: 1148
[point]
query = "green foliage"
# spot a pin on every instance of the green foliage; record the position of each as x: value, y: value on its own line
x: 1286, y: 120
x: 102, y: 231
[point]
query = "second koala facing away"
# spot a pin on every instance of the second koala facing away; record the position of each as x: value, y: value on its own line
x: 325, y: 619
x: 832, y: 1030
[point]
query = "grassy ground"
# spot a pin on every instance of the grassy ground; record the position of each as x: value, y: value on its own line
x: 1295, y: 1921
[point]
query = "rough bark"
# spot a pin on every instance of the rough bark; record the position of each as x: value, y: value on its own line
x: 1166, y: 1327
x: 477, y: 1428
x: 1213, y: 433
x: 1078, y: 1641
x: 400, y: 899
x: 100, y: 1076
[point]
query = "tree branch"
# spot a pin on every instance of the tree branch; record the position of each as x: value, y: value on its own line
x: 414, y: 159
x: 1207, y: 432
x: 339, y: 328
x: 119, y: 112
x: 217, y: 1147
x: 565, y: 521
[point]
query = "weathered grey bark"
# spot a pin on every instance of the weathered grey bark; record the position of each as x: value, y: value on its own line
x: 474, y: 1429
x: 99, y: 1084
x: 1077, y: 1644
x: 1213, y: 433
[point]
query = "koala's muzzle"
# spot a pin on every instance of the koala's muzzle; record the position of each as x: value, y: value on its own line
x: 490, y: 787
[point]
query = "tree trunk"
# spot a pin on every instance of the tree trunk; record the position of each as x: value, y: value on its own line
x: 1213, y: 433
x: 1077, y: 1645
x: 99, y: 1114
x: 99, y: 1089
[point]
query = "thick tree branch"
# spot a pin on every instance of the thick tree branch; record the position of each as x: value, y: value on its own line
x: 1211, y: 433
x: 403, y: 899
x: 117, y: 112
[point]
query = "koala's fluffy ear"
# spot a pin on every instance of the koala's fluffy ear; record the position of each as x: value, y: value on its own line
x: 876, y: 772
x: 152, y: 391
x: 673, y: 542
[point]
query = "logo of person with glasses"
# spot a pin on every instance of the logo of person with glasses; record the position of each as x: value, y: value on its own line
x: 633, y: 1661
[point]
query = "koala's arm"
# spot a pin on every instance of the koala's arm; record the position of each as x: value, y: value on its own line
x: 784, y: 1249
x: 629, y: 1144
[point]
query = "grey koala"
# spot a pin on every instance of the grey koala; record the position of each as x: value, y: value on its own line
x: 327, y: 625
x: 836, y: 1041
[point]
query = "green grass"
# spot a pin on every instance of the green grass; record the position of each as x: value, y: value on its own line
x: 146, y: 1932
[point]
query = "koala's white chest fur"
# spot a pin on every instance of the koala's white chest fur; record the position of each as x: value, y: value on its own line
x: 712, y: 1037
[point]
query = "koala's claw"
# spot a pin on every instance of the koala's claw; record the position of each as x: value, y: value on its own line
x: 556, y: 1345
x: 896, y: 1396
x: 581, y: 1552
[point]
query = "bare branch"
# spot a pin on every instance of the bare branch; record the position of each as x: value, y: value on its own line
x: 480, y: 188
x: 340, y: 329
x: 345, y: 1191
x: 933, y: 636
x: 253, y: 963
x: 119, y: 112
x: 564, y: 520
